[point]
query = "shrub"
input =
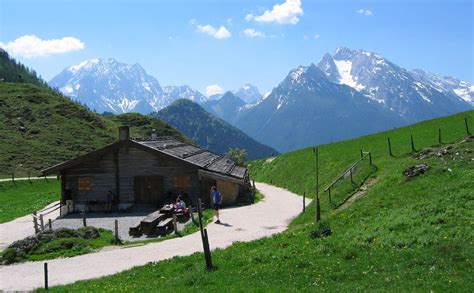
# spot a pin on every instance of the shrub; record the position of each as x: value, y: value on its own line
x: 89, y: 232
x: 67, y: 233
x: 322, y: 230
x: 9, y: 256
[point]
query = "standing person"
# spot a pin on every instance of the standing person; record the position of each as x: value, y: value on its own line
x: 216, y: 200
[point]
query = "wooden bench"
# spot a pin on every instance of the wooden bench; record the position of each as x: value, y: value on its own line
x: 165, y: 226
x: 135, y: 230
x: 148, y: 225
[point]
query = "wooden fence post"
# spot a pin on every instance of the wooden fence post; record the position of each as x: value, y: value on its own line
x: 204, y: 238
x: 50, y: 224
x: 46, y: 287
x: 467, y: 126
x: 41, y: 222
x: 329, y: 191
x: 13, y: 177
x: 207, y: 252
x: 361, y: 153
x: 370, y: 158
x: 35, y: 221
x: 412, y: 143
x: 352, y: 179
x: 439, y: 136
x: 116, y: 232
x: 318, y: 209
x: 389, y: 147
x: 83, y: 214
x: 304, y: 201
x: 253, y: 183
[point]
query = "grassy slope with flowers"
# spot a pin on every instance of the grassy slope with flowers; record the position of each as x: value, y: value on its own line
x: 403, y: 235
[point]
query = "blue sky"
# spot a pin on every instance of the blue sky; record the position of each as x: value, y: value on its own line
x: 228, y: 43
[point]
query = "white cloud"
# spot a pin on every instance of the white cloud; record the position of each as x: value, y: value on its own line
x: 213, y: 89
x: 192, y: 21
x: 30, y: 46
x: 316, y: 36
x: 284, y: 13
x: 365, y: 12
x: 220, y: 33
x: 252, y: 33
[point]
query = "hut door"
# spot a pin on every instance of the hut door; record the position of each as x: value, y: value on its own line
x: 148, y: 189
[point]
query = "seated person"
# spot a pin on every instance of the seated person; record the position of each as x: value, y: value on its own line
x: 180, y: 206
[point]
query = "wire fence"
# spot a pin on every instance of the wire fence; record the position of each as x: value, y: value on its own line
x: 351, y: 179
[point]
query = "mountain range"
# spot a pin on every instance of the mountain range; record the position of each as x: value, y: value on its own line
x: 107, y: 85
x: 349, y: 93
x: 352, y: 93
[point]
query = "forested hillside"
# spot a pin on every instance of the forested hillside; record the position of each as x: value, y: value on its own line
x: 209, y: 131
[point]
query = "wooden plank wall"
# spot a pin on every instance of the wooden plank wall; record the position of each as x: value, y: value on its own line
x: 134, y: 162
x: 101, y: 171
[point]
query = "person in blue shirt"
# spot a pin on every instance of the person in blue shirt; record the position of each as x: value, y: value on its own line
x: 216, y: 201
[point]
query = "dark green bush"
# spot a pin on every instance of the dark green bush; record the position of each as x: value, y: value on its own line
x: 322, y: 230
x: 9, y: 256
x: 89, y: 232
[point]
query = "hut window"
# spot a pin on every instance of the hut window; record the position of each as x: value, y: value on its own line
x: 84, y: 184
x: 182, y: 182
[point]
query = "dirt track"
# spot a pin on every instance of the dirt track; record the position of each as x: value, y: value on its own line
x: 247, y: 223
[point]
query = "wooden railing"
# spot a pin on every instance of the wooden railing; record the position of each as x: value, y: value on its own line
x: 363, y: 155
x: 38, y: 217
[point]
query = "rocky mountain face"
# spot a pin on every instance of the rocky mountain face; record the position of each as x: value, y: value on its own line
x: 248, y: 93
x: 108, y: 85
x: 413, y: 95
x: 313, y: 96
x: 307, y: 109
x: 112, y: 86
x: 209, y: 131
x: 446, y: 84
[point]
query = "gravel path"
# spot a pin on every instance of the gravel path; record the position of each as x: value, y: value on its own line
x: 247, y: 223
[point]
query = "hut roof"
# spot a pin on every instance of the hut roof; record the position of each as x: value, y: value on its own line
x: 199, y: 157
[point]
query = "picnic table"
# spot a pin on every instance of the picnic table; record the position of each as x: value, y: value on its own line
x: 148, y: 225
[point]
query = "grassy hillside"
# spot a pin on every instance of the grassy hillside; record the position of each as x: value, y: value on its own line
x: 39, y: 128
x: 209, y: 131
x: 23, y: 197
x: 402, y: 235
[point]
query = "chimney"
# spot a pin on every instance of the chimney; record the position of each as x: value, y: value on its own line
x: 124, y: 133
x: 153, y: 135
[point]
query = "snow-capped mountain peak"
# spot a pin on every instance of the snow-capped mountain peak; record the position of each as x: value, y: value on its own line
x: 248, y: 93
x: 84, y: 65
x: 414, y: 95
x: 113, y: 86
